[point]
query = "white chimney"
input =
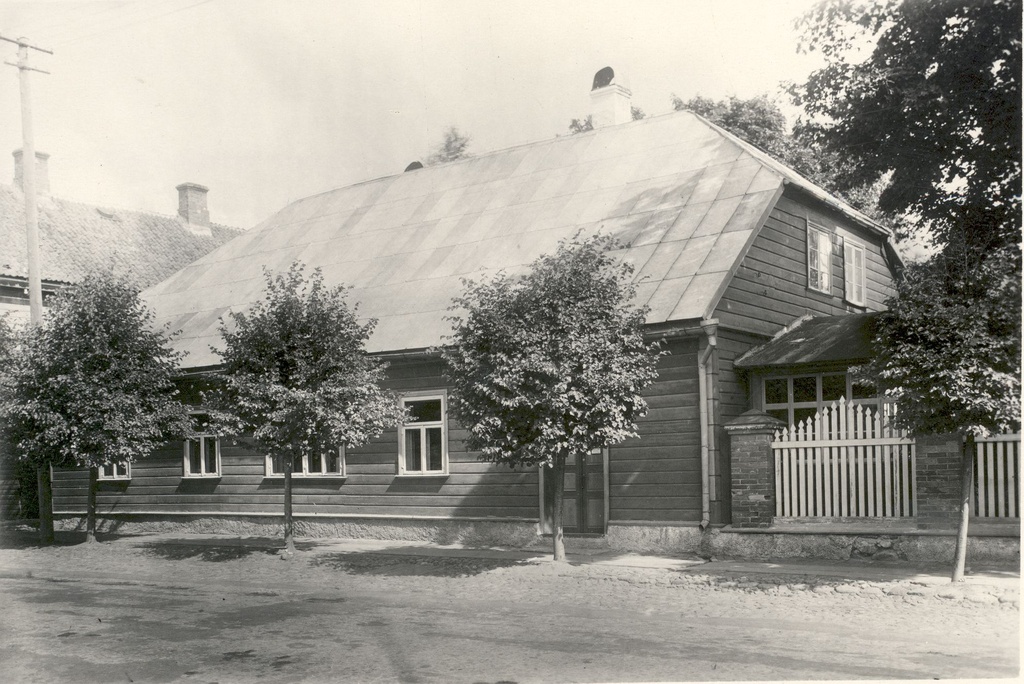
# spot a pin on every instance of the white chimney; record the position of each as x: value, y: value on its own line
x: 42, y: 171
x: 609, y: 102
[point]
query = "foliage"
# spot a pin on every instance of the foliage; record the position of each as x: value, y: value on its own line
x: 636, y: 113
x: 93, y: 384
x: 581, y: 125
x: 936, y: 103
x: 454, y: 145
x: 551, y: 363
x: 949, y: 348
x: 295, y: 373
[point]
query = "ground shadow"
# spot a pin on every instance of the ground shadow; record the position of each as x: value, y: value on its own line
x: 204, y: 552
x: 405, y: 561
x: 26, y: 536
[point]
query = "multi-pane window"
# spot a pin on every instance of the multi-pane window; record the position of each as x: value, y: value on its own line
x: 121, y: 470
x: 819, y: 258
x: 202, y: 456
x: 855, y: 272
x: 201, y: 452
x: 797, y: 398
x: 422, y: 448
x: 328, y: 464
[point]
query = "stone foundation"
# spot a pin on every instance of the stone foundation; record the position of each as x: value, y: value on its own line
x: 468, y: 532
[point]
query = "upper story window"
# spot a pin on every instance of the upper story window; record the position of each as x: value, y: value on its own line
x: 423, y: 436
x: 796, y: 398
x: 819, y: 258
x: 202, y: 452
x: 855, y: 272
x: 121, y: 470
x: 329, y: 464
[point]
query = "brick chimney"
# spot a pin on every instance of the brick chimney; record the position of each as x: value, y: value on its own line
x: 609, y: 102
x: 42, y: 171
x: 192, y: 204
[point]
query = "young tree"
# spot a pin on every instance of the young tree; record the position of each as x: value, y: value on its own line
x: 581, y: 125
x: 92, y: 386
x: 936, y: 105
x: 296, y: 375
x: 551, y: 364
x: 455, y: 145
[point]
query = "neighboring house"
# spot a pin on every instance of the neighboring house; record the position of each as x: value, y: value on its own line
x: 729, y: 246
x: 75, y: 238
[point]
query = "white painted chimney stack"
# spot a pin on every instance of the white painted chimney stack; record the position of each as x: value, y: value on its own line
x: 609, y: 102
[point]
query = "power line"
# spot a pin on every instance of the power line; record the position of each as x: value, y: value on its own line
x: 37, y: 27
x: 131, y: 23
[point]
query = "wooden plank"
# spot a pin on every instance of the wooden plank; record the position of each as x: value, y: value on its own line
x: 777, y: 457
x: 1013, y: 470
x: 990, y: 479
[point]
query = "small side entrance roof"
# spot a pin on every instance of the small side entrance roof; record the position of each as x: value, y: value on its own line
x: 823, y: 339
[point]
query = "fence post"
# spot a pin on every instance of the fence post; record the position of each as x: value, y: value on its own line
x: 937, y: 481
x: 753, y: 468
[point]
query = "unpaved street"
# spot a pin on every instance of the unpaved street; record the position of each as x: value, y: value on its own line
x: 165, y: 612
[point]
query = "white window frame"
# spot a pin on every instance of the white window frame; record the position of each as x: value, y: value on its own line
x: 819, y: 244
x: 186, y: 467
x: 791, y: 405
x: 125, y: 468
x: 855, y: 276
x: 305, y: 472
x: 422, y: 428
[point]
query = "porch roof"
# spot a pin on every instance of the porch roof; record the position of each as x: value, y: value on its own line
x: 823, y: 339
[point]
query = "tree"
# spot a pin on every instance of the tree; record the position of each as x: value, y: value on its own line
x: 550, y: 364
x: 454, y: 145
x: 935, y: 105
x: 297, y: 378
x: 584, y: 124
x: 92, y: 386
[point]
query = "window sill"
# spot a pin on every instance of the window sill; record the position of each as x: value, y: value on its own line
x: 296, y: 476
x: 113, y: 479
x: 423, y: 475
x: 202, y: 477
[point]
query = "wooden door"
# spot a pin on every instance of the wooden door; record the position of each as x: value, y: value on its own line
x: 583, y: 496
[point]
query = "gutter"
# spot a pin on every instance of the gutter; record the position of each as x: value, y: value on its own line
x: 710, y: 328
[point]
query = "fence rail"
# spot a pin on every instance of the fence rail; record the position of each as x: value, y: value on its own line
x: 848, y: 461
x: 845, y: 461
x: 996, y: 474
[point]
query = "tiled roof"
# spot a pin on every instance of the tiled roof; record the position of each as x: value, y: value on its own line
x: 686, y: 198
x: 75, y: 238
x: 822, y: 339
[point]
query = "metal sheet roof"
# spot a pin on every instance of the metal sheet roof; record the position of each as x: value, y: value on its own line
x: 685, y: 199
x: 824, y: 339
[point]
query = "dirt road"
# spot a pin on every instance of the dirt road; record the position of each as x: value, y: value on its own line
x: 171, y: 612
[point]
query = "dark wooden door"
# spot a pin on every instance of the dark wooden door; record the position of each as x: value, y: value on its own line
x: 583, y: 502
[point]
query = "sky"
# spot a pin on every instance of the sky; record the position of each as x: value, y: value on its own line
x: 268, y: 101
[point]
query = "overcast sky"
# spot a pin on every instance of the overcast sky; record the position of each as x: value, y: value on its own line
x: 267, y: 101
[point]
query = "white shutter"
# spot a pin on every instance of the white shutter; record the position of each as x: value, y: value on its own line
x: 848, y: 269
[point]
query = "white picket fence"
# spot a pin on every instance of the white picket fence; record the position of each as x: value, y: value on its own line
x: 996, y: 477
x: 847, y: 461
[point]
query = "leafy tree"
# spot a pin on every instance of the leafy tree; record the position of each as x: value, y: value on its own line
x: 92, y: 386
x: 454, y: 145
x: 296, y: 375
x: 550, y: 364
x: 581, y: 125
x: 936, y: 106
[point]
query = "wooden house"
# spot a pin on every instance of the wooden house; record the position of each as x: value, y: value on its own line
x: 729, y: 246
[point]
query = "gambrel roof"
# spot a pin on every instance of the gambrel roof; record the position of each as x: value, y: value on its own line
x: 684, y: 197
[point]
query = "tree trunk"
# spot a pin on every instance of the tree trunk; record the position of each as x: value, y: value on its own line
x: 289, y: 530
x: 558, y: 541
x: 90, y: 511
x: 45, y: 504
x: 966, y: 490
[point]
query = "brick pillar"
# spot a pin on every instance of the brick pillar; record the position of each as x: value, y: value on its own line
x: 753, y: 468
x: 937, y: 481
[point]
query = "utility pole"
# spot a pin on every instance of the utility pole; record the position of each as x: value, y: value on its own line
x: 28, y: 178
x: 35, y: 285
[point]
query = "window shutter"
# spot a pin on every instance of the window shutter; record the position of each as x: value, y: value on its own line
x: 849, y: 271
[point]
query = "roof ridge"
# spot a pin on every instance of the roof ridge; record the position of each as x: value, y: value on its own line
x: 115, y: 208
